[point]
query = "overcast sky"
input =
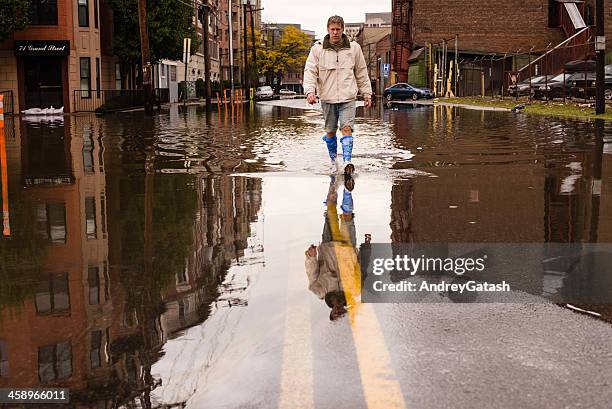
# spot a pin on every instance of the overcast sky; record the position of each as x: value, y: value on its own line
x: 313, y: 14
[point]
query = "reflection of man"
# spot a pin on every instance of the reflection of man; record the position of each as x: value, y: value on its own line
x: 336, y: 68
x: 332, y: 267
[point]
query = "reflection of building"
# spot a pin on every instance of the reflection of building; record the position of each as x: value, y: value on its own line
x: 551, y: 193
x: 227, y: 207
x: 61, y: 336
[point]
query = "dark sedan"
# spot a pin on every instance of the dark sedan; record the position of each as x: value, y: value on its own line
x: 403, y: 90
x: 525, y: 87
x: 555, y: 87
x: 583, y: 86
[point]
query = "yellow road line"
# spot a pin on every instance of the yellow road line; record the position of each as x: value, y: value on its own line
x: 380, y: 384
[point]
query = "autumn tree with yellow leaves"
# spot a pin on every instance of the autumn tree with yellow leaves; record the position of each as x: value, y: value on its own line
x: 288, y: 54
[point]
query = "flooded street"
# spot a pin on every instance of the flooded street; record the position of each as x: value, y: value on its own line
x: 159, y: 262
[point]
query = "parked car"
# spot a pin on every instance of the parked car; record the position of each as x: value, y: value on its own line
x: 555, y: 87
x: 524, y: 87
x: 286, y: 91
x: 584, y: 86
x: 403, y: 90
x: 264, y: 92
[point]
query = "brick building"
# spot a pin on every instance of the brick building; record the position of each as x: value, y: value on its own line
x: 223, y: 34
x: 368, y: 38
x: 491, y: 29
x: 59, y: 52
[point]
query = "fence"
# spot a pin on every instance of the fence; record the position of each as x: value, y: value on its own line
x: 8, y: 101
x: 114, y: 99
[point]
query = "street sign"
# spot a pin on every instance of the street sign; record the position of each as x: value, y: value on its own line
x: 186, y: 50
x: 386, y: 70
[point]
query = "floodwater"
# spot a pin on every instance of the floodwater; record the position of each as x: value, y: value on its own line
x: 159, y: 262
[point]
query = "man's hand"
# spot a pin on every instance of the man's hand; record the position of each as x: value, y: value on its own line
x: 312, y: 251
x: 367, y: 101
x: 311, y: 98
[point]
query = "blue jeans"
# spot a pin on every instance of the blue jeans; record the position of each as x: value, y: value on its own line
x: 342, y: 113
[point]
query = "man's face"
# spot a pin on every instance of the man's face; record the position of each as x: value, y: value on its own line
x: 335, y: 32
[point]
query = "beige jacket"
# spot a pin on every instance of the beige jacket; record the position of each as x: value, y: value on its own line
x: 335, y: 269
x: 336, y: 75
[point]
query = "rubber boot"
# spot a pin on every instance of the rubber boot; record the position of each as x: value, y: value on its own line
x: 347, y: 153
x: 347, y: 201
x: 332, y: 146
x: 347, y: 148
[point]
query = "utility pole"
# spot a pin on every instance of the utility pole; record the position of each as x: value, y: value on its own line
x: 231, y: 48
x: 145, y: 54
x: 255, y: 77
x: 457, y: 64
x: 246, y: 84
x: 206, y: 39
x: 600, y: 50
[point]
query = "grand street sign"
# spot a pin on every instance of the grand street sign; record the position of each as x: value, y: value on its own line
x: 42, y: 48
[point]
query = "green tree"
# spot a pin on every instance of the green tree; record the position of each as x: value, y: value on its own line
x: 169, y: 21
x: 13, y: 16
x: 289, y: 54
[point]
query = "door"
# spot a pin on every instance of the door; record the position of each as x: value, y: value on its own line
x: 43, y: 82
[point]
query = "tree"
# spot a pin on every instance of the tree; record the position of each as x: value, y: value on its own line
x: 14, y: 16
x: 169, y: 21
x: 289, y: 54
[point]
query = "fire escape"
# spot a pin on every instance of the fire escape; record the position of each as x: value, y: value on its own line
x: 401, y: 37
x: 569, y: 16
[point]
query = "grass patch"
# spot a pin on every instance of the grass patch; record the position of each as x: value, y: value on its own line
x: 559, y: 109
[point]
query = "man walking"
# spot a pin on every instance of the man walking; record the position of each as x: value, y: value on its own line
x: 336, y: 68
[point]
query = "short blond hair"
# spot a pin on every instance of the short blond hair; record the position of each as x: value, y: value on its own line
x: 335, y: 20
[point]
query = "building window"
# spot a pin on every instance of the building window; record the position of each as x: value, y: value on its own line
x: 85, y: 77
x: 4, y: 364
x: 95, y: 2
x: 589, y: 17
x: 90, y: 217
x: 106, y: 281
x: 87, y: 151
x: 173, y: 73
x: 181, y: 276
x: 107, y: 344
x: 51, y: 222
x: 43, y: 12
x: 103, y: 213
x: 117, y: 76
x: 98, y: 77
x: 84, y: 13
x: 52, y: 294
x: 93, y: 281
x: 54, y: 362
x: 95, y: 357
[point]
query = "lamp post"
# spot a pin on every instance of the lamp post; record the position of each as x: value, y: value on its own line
x: 204, y: 13
x: 600, y: 50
